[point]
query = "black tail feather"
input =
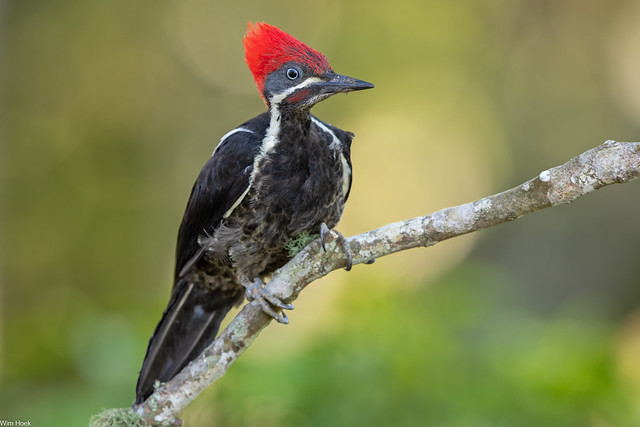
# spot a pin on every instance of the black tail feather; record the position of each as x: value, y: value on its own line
x: 188, y: 325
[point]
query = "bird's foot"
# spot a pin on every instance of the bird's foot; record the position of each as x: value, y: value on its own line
x: 255, y: 291
x: 340, y: 240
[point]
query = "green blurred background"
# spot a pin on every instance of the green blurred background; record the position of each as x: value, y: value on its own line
x: 110, y: 108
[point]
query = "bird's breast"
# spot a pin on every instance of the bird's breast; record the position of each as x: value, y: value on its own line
x: 302, y: 185
x: 295, y: 186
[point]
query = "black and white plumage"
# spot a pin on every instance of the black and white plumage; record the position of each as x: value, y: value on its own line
x: 273, y: 177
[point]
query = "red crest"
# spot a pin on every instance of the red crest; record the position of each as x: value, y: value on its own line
x: 267, y: 48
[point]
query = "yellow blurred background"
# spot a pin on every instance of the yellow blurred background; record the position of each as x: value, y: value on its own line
x: 110, y: 108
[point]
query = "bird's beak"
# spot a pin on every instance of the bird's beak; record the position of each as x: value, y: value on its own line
x: 337, y: 83
x: 325, y: 86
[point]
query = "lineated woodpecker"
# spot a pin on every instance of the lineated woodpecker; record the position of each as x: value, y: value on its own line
x: 275, y: 176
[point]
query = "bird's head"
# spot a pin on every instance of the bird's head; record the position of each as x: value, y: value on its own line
x: 288, y: 72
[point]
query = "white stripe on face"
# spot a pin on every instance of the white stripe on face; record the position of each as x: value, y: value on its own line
x: 278, y: 97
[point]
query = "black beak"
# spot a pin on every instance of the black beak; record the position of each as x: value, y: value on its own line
x: 337, y: 83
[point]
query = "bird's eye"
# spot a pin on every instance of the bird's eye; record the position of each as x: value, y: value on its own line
x: 293, y: 74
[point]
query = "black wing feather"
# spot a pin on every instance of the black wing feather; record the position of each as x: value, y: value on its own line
x: 222, y: 180
x: 345, y: 138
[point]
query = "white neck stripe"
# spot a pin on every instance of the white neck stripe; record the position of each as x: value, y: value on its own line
x: 335, y: 143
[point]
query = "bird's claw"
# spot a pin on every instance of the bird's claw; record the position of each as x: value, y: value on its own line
x: 340, y: 240
x: 255, y: 291
x: 323, y: 235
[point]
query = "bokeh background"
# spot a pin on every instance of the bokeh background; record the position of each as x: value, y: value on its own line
x: 110, y: 108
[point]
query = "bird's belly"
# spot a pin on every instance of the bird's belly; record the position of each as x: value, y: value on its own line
x: 277, y: 209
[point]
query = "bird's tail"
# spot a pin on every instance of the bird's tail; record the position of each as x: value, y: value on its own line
x: 188, y: 325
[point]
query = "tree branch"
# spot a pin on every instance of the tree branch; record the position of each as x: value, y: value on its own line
x: 609, y: 163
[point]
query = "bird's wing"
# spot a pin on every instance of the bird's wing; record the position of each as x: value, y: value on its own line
x: 344, y: 137
x: 223, y: 182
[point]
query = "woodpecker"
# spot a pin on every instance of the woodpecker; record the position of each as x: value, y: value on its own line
x: 282, y: 173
